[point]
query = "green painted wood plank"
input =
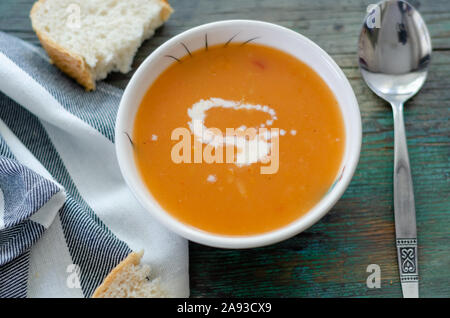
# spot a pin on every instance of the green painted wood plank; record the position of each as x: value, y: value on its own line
x: 330, y: 258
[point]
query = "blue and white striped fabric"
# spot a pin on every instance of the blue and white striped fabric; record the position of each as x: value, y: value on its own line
x: 64, y: 207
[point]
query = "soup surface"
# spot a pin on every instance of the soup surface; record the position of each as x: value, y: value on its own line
x: 243, y: 86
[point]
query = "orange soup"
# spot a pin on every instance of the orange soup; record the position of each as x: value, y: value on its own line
x: 239, y: 86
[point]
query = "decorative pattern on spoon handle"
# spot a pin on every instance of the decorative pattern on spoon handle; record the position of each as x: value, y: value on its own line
x: 407, y: 260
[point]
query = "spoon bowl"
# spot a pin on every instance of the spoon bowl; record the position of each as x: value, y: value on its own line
x: 394, y: 53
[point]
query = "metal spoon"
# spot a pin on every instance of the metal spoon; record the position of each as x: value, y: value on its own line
x: 394, y: 52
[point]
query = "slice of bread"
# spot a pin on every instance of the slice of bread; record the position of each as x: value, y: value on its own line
x: 87, y: 39
x: 129, y: 279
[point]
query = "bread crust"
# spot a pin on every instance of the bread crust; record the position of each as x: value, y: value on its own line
x: 71, y: 63
x: 166, y: 10
x: 132, y: 259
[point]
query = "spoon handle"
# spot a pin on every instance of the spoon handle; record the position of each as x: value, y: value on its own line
x: 405, y: 213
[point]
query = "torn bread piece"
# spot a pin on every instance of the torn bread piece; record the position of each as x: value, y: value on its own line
x: 130, y: 279
x: 87, y: 39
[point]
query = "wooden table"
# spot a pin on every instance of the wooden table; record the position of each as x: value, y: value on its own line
x: 330, y: 259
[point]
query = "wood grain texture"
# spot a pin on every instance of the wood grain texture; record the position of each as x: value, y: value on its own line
x: 330, y: 258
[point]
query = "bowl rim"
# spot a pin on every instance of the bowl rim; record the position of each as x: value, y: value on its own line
x: 232, y: 241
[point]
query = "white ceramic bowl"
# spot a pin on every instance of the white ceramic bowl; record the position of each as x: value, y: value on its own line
x: 240, y: 31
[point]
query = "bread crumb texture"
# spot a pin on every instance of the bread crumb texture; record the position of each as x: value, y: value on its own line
x: 87, y: 39
x: 130, y: 279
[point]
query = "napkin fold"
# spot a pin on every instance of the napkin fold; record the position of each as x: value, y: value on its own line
x: 67, y: 217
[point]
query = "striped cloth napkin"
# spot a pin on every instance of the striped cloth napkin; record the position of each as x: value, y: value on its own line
x: 66, y: 216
